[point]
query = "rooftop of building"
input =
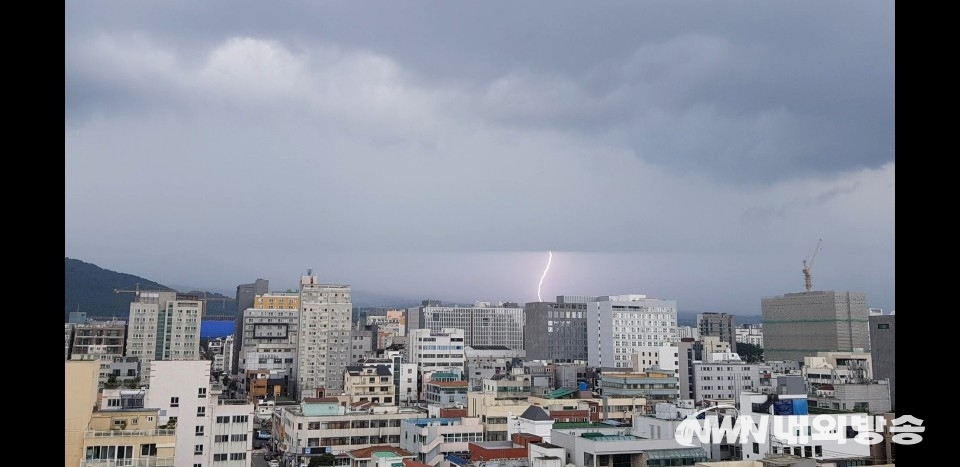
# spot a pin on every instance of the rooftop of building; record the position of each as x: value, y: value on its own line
x: 547, y: 445
x: 489, y: 347
x: 448, y: 384
x: 422, y: 422
x: 605, y: 437
x: 379, y: 451
x: 315, y: 400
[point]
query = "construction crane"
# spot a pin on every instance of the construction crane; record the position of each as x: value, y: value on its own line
x: 223, y: 300
x: 136, y: 291
x: 807, y: 267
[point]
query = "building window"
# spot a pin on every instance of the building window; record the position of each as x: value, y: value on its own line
x: 174, y: 402
x: 883, y: 325
x: 198, y: 449
x: 238, y: 456
x: 221, y: 438
x: 202, y: 392
x: 219, y: 457
x: 223, y: 419
x: 201, y: 411
x: 199, y: 430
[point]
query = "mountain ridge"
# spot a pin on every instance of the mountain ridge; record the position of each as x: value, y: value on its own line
x: 102, y: 293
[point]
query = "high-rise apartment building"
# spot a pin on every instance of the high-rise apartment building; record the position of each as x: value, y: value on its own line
x: 102, y: 341
x: 721, y: 325
x: 483, y: 323
x: 883, y: 329
x: 326, y: 312
x: 556, y: 331
x: 798, y: 325
x: 620, y: 325
x: 163, y: 327
x: 246, y: 296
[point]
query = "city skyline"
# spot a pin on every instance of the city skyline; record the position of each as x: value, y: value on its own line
x: 685, y: 151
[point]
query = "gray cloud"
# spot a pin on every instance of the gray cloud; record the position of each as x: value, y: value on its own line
x: 695, y: 150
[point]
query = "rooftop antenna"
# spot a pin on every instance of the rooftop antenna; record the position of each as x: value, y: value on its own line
x: 808, y: 282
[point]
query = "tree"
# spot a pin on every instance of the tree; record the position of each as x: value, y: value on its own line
x: 750, y: 353
x: 111, y: 382
x: 322, y: 460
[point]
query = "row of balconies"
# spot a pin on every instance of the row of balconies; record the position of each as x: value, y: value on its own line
x: 140, y: 462
x: 128, y: 433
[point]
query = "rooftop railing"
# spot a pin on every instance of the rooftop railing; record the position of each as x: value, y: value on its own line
x: 129, y: 433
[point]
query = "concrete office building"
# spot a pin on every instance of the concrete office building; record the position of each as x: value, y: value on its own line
x: 883, y: 329
x: 797, y: 325
x: 663, y: 357
x: 326, y: 312
x: 246, y: 296
x: 163, y: 327
x: 483, y: 323
x: 442, y: 350
x: 619, y: 325
x: 750, y: 334
x: 721, y: 325
x: 388, y: 329
x: 363, y: 342
x: 555, y: 331
x: 725, y: 379
x: 102, y: 341
x: 271, y: 326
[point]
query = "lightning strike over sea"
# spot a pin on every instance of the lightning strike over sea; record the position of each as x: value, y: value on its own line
x: 549, y: 259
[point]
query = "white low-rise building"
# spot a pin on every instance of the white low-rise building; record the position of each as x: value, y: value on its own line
x: 326, y: 425
x: 601, y: 446
x: 431, y: 439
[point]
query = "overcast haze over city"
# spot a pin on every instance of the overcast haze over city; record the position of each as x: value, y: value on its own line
x: 692, y: 151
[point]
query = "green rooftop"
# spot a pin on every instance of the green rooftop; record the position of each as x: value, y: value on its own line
x: 558, y: 393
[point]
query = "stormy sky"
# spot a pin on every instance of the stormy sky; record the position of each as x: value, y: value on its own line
x: 692, y: 151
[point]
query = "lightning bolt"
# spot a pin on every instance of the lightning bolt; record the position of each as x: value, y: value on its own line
x: 549, y: 259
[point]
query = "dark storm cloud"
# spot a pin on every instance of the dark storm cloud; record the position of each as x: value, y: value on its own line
x: 377, y: 137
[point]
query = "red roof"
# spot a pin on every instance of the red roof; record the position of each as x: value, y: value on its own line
x: 367, y: 453
x: 321, y: 399
x: 449, y: 384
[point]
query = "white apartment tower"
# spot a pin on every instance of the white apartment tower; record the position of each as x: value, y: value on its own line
x: 162, y: 327
x: 210, y: 431
x: 619, y: 326
x: 324, y: 341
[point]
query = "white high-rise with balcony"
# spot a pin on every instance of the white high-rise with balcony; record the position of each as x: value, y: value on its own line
x: 326, y: 312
